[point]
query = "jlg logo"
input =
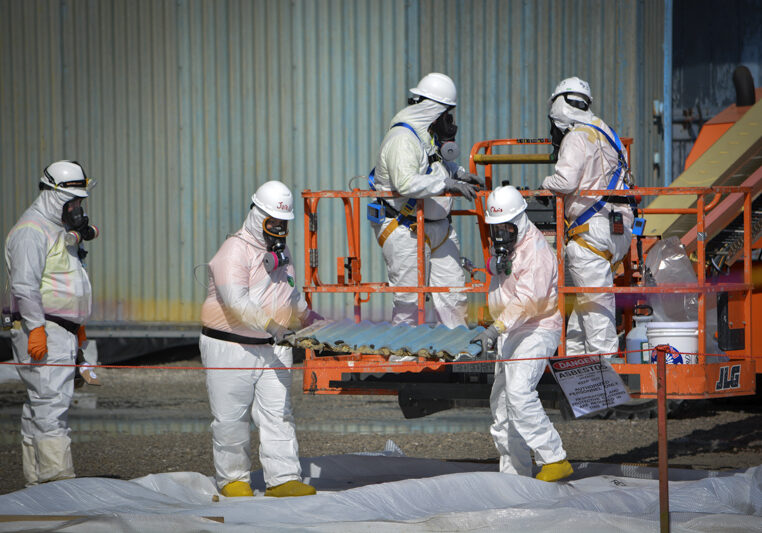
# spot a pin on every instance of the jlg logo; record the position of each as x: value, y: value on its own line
x: 730, y: 378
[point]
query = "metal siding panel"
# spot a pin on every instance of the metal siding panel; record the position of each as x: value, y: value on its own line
x: 181, y: 109
x: 7, y: 186
x: 160, y: 107
x: 148, y: 261
x: 187, y: 155
x: 135, y: 291
x: 103, y: 260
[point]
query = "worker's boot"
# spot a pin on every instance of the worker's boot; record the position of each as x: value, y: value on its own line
x: 290, y: 488
x: 555, y: 471
x: 89, y: 376
x: 237, y: 488
x: 85, y: 372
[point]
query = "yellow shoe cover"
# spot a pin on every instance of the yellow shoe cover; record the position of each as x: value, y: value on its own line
x: 290, y: 488
x: 237, y: 488
x: 555, y: 471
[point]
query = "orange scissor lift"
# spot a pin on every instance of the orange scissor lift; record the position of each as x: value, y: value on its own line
x: 342, y: 373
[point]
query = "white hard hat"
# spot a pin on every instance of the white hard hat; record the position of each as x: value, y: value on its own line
x: 437, y: 87
x: 275, y: 199
x: 572, y: 85
x: 67, y: 176
x: 504, y: 204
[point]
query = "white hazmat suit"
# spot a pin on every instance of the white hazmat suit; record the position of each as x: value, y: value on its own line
x: 525, y: 303
x: 402, y: 166
x: 586, y: 161
x: 47, y: 282
x: 242, y: 299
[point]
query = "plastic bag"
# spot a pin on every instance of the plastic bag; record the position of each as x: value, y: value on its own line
x: 667, y: 264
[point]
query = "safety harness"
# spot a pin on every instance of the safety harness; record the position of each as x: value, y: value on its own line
x: 378, y: 211
x: 580, y: 224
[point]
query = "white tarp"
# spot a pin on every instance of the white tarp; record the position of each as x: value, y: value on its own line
x: 389, y: 492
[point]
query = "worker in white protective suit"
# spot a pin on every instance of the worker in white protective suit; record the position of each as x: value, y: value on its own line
x: 50, y: 300
x: 523, y: 300
x: 599, y: 229
x: 413, y: 161
x: 251, y: 306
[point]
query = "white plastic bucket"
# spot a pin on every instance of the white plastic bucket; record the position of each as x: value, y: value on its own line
x: 681, y: 337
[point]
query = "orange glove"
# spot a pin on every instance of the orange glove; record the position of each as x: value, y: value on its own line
x: 38, y: 343
x: 81, y: 337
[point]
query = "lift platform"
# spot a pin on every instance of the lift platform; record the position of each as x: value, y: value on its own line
x: 724, y: 228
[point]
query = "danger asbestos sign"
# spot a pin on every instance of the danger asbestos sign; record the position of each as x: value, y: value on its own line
x: 589, y: 383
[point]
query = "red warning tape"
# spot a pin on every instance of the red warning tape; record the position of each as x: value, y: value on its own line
x: 361, y: 365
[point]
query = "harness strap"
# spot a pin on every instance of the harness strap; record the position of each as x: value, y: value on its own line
x: 616, y: 145
x: 597, y: 206
x: 372, y: 175
x: 408, y: 209
x: 584, y: 244
x: 577, y: 230
x: 603, y: 253
x: 388, y: 230
x: 393, y: 225
x: 435, y: 248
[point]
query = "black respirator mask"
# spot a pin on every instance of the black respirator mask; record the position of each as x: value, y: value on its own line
x: 77, y: 224
x: 275, y: 230
x: 443, y: 130
x: 576, y: 100
x: 504, y: 237
x: 556, y: 136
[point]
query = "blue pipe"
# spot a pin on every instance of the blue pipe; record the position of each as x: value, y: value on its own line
x: 667, y: 97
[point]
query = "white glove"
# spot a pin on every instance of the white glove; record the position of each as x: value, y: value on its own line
x: 278, y: 332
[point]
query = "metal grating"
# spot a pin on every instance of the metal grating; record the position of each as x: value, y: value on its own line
x: 727, y: 246
x: 385, y: 339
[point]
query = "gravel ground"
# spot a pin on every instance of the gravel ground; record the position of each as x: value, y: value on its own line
x: 717, y: 435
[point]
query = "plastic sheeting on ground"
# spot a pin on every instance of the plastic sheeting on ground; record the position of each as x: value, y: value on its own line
x: 389, y: 492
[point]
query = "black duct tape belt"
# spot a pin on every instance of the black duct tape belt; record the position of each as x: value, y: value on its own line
x: 68, y: 325
x: 390, y: 212
x: 232, y: 337
x: 620, y: 200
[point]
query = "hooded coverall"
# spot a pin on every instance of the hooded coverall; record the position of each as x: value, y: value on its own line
x: 402, y: 166
x: 586, y: 161
x: 47, y: 282
x: 242, y: 298
x: 526, y: 302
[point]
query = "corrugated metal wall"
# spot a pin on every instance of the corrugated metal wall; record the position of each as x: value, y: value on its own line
x: 180, y: 108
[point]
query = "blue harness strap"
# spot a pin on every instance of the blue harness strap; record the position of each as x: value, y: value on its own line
x: 372, y: 179
x: 597, y: 206
x: 408, y: 126
x: 405, y: 214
